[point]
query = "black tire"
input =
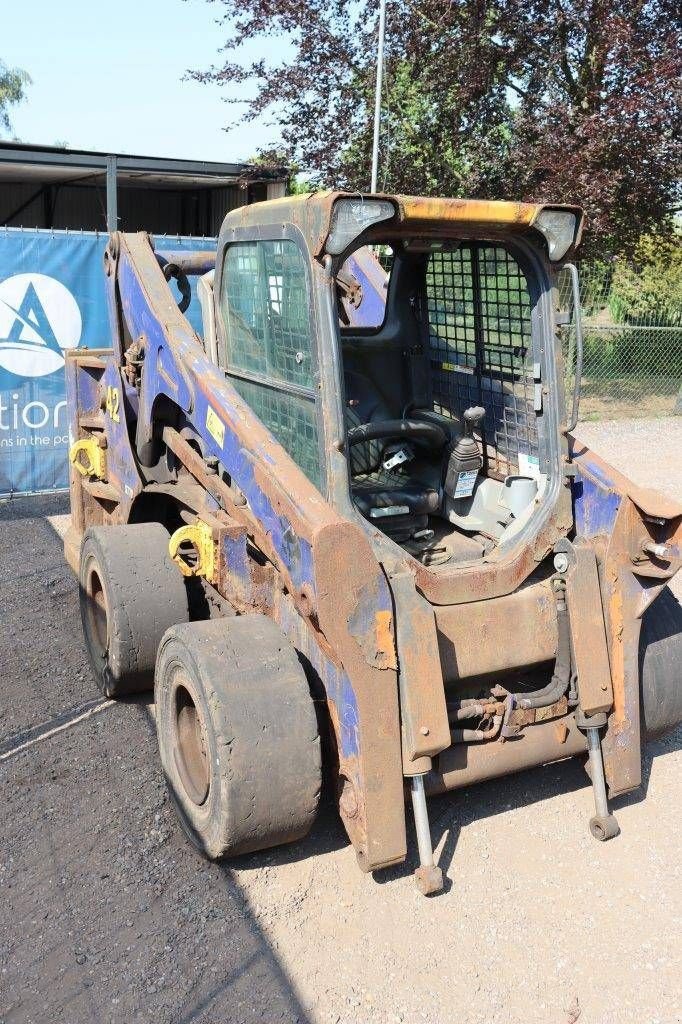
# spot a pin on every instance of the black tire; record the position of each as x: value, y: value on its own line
x: 237, y: 734
x: 660, y: 661
x: 130, y: 593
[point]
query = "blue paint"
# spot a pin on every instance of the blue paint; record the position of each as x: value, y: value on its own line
x: 236, y: 559
x: 337, y: 686
x: 121, y: 467
x: 595, y: 505
x: 371, y: 311
x: 598, y: 472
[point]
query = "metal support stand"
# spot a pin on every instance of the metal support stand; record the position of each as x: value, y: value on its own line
x: 603, y: 825
x: 377, y: 96
x: 112, y: 194
x: 428, y: 876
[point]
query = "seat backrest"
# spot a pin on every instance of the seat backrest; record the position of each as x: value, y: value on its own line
x: 364, y: 405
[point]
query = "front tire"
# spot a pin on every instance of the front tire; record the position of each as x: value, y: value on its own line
x: 660, y: 657
x: 130, y: 594
x: 237, y: 735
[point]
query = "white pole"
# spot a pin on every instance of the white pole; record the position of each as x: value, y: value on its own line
x: 377, y: 95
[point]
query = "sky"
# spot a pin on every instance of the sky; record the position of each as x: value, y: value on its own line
x: 107, y: 75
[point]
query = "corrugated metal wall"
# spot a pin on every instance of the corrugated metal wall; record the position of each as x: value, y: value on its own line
x: 83, y: 207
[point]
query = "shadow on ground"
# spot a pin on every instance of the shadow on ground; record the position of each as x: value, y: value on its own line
x: 107, y: 914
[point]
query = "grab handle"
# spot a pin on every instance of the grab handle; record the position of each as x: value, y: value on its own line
x: 575, y: 288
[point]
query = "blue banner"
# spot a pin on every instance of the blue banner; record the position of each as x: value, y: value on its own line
x: 51, y: 299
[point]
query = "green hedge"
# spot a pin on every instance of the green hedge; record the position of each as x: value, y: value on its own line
x: 648, y: 290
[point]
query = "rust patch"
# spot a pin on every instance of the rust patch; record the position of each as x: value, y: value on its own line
x: 529, y: 716
x: 385, y: 643
x: 484, y: 637
x: 561, y: 732
x: 588, y: 633
x: 626, y: 591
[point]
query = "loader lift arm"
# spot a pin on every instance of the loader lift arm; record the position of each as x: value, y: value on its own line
x: 181, y: 402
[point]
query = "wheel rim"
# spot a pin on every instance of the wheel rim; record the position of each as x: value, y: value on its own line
x: 190, y: 746
x: 97, y: 612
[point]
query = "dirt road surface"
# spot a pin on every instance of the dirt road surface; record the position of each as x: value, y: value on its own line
x: 108, y: 916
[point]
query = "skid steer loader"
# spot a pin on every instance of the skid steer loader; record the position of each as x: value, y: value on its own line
x: 349, y: 521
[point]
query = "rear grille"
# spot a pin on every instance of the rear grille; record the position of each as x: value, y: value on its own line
x: 479, y: 314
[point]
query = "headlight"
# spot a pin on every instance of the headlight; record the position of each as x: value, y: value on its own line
x: 350, y: 217
x: 558, y: 227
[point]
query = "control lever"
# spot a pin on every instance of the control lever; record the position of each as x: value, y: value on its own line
x: 472, y: 418
x: 465, y: 459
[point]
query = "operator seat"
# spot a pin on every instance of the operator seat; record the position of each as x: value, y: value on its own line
x: 374, y: 487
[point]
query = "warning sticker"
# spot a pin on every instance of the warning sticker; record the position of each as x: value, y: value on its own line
x: 529, y: 465
x: 215, y: 426
x: 457, y: 368
x: 464, y: 487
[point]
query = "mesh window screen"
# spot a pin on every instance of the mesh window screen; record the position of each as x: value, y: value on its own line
x: 479, y: 313
x: 265, y: 308
x: 291, y: 419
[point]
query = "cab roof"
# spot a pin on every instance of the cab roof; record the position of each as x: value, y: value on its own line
x: 312, y: 213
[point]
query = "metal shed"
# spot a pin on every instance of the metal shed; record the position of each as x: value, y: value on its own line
x: 50, y: 187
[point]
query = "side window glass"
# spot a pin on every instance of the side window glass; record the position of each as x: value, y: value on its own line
x: 292, y: 420
x: 362, y: 286
x: 265, y: 307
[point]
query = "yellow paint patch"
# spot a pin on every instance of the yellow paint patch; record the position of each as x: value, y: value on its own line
x: 479, y: 211
x: 215, y: 426
x: 112, y: 404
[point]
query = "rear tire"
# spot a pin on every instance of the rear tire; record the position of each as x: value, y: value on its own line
x: 237, y: 734
x: 660, y: 658
x: 130, y: 594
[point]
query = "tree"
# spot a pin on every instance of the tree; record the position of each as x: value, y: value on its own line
x: 604, y: 129
x: 13, y: 82
x: 648, y: 289
x: 563, y: 100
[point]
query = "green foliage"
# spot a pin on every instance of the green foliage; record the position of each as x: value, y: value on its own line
x: 13, y: 82
x: 299, y: 186
x: 276, y: 160
x: 648, y: 290
x: 639, y: 354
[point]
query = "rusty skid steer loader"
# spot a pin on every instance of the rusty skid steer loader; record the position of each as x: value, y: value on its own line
x: 353, y: 518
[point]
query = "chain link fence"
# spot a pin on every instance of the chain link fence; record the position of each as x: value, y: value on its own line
x: 632, y: 365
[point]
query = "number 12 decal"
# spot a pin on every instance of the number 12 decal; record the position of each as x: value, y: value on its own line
x: 112, y: 404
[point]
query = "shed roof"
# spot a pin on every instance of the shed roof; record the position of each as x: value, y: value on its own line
x: 21, y: 162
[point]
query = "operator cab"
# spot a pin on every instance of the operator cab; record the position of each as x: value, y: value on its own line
x: 449, y: 418
x: 441, y: 373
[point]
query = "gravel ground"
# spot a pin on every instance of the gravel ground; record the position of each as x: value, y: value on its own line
x: 108, y: 916
x: 648, y: 451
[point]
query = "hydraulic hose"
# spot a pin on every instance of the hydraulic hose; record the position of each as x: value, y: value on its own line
x: 477, y: 735
x: 474, y: 709
x: 561, y: 677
